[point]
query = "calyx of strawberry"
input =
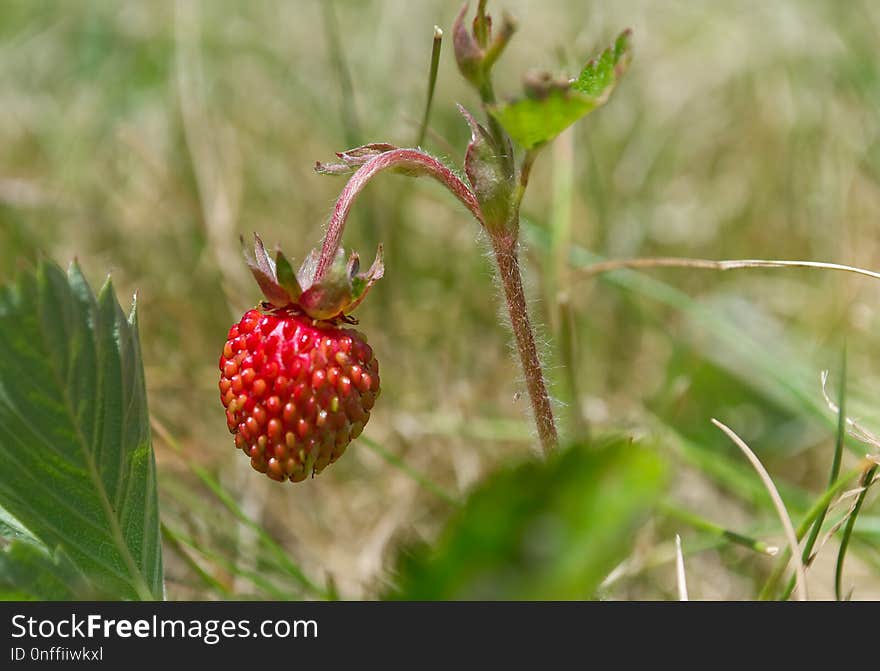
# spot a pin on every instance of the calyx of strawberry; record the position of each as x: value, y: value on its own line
x: 331, y: 297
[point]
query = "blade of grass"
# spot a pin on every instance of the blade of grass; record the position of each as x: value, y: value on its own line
x: 232, y: 505
x: 784, y: 517
x: 211, y: 150
x: 271, y: 545
x: 732, y: 475
x: 558, y: 296
x: 710, y: 264
x: 567, y: 341
x: 255, y: 577
x: 679, y: 571
x: 867, y: 480
x: 854, y: 495
x: 658, y: 556
x: 809, y: 517
x: 350, y: 125
x: 787, y: 383
x: 222, y: 539
x: 405, y: 468
x: 702, y: 524
x: 210, y: 581
x: 857, y: 431
x: 832, y: 476
x: 560, y: 214
x: 432, y: 82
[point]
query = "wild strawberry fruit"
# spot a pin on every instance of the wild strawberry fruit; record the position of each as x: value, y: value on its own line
x: 298, y: 386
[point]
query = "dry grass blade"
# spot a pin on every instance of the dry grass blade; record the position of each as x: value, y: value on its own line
x: 856, y: 430
x: 215, y: 159
x: 851, y: 494
x: 679, y: 570
x: 784, y: 517
x: 710, y: 264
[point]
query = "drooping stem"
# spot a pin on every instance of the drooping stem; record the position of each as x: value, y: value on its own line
x: 505, y: 248
x: 504, y: 244
x: 411, y: 161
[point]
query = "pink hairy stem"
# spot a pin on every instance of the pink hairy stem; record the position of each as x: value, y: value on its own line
x: 419, y: 163
x: 504, y: 245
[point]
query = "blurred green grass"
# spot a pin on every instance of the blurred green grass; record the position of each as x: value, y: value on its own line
x: 144, y: 138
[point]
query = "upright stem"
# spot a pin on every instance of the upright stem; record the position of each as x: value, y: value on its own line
x: 432, y: 81
x: 505, y: 248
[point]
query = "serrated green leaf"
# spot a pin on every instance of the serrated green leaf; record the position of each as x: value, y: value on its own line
x: 76, y: 462
x: 540, y: 530
x: 600, y: 75
x: 532, y: 121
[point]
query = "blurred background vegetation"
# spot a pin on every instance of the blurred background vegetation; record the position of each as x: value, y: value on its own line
x: 143, y: 138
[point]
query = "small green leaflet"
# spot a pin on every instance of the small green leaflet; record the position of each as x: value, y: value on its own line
x: 535, y: 120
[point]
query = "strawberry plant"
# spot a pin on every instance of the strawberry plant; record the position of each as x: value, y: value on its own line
x: 299, y: 382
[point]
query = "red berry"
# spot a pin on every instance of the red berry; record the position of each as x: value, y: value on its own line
x: 297, y: 391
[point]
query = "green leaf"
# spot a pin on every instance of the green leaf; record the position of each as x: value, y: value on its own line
x: 553, y: 106
x: 29, y: 571
x: 76, y: 463
x: 12, y: 529
x: 540, y: 530
x: 600, y: 75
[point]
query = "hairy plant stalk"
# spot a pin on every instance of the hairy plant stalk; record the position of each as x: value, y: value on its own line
x: 505, y: 248
x: 504, y: 245
x: 408, y: 160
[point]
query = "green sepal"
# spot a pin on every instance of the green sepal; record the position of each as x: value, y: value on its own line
x: 361, y: 283
x: 329, y: 296
x: 286, y: 277
x: 487, y: 174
